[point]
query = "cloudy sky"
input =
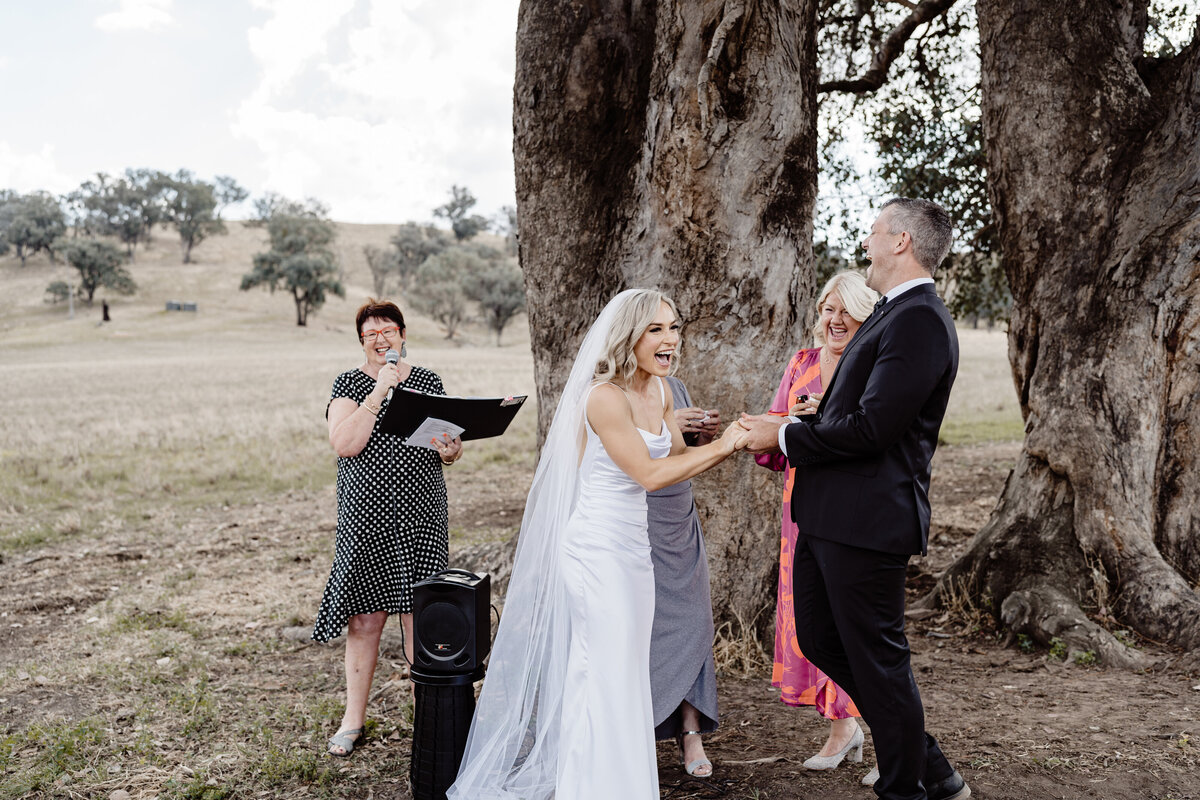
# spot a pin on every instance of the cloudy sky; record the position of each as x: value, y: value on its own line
x: 374, y: 107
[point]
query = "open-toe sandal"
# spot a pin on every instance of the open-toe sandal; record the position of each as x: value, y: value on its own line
x: 342, y: 739
x: 692, y: 767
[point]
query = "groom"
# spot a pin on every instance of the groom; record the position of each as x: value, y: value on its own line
x: 862, y: 481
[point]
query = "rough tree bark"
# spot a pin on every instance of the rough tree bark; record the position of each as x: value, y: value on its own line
x: 673, y: 145
x: 1094, y: 174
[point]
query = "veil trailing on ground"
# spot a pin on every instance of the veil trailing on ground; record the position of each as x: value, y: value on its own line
x: 512, y: 750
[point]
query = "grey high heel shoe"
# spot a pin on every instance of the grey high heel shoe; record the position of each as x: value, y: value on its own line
x: 853, y: 749
x: 692, y: 767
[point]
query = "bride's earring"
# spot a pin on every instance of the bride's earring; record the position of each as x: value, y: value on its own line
x: 403, y: 349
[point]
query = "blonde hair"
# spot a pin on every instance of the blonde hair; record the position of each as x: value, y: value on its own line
x: 617, y: 361
x: 857, y: 297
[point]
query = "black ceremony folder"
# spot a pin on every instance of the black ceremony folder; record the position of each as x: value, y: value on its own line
x: 479, y: 417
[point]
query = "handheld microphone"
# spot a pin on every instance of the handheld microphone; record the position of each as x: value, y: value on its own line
x: 392, y: 357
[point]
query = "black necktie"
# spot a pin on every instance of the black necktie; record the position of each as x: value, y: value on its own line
x: 879, y: 304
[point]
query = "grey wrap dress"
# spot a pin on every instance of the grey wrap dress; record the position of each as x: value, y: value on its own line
x: 681, y: 655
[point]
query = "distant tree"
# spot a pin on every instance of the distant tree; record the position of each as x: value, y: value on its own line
x: 457, y: 211
x: 192, y: 209
x: 506, y: 226
x: 485, y: 251
x: 7, y: 196
x: 382, y: 264
x: 58, y: 291
x: 272, y: 204
x: 145, y: 191
x: 99, y: 264
x: 30, y: 223
x: 265, y: 207
x: 75, y: 209
x: 413, y: 244
x: 300, y: 259
x: 439, y: 286
x: 500, y: 292
x: 229, y: 193
x: 115, y: 208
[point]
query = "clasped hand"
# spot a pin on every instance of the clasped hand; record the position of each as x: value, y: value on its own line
x: 759, y: 433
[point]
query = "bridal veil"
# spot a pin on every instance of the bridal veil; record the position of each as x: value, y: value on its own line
x: 512, y: 749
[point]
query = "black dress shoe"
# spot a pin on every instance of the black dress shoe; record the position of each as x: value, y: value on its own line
x: 951, y: 788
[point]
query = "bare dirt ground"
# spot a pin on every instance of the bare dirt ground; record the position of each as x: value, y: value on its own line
x: 167, y: 658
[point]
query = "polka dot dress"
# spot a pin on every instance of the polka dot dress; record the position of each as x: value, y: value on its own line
x: 392, y: 521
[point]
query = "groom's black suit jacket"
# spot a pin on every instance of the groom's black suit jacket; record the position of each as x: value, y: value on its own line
x: 862, y: 461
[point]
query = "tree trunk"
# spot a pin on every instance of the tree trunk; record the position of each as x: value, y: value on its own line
x: 673, y: 145
x: 1094, y: 173
x: 301, y: 308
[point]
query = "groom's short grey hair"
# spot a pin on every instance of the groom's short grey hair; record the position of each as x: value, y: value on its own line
x: 927, y: 224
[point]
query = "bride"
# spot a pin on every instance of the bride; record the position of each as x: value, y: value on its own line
x: 565, y: 710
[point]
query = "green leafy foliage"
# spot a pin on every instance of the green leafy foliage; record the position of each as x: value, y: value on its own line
x: 126, y: 208
x: 500, y: 292
x: 414, y: 244
x: 191, y: 206
x: 300, y: 260
x: 58, y: 292
x: 30, y: 223
x: 100, y: 264
x: 1058, y: 649
x: 925, y: 125
x: 439, y: 286
x: 382, y: 264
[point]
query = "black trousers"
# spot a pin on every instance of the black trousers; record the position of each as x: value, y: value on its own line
x: 850, y: 623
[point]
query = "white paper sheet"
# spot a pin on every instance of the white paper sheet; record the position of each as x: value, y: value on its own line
x: 432, y: 428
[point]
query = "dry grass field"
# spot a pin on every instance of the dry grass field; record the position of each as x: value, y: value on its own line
x: 166, y: 525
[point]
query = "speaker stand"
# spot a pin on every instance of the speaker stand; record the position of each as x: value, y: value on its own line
x: 441, y: 721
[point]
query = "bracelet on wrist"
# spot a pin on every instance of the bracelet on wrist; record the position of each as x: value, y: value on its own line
x: 373, y: 409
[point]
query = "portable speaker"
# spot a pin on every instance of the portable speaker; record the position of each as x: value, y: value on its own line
x: 451, y: 625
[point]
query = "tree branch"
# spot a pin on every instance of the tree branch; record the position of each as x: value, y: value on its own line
x: 734, y: 9
x: 890, y: 50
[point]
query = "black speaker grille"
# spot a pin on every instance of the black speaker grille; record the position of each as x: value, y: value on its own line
x: 445, y: 630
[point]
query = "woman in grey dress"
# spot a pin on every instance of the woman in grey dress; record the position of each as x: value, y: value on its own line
x: 683, y: 681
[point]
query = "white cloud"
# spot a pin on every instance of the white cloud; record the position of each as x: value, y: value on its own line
x: 28, y: 172
x: 296, y: 34
x: 137, y: 15
x: 376, y: 110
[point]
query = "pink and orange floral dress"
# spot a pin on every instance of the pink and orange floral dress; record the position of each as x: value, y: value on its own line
x: 800, y: 683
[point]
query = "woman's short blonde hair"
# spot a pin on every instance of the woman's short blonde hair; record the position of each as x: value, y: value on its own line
x: 856, y: 296
x: 618, y: 361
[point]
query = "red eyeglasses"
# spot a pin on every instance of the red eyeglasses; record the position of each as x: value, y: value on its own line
x: 388, y: 333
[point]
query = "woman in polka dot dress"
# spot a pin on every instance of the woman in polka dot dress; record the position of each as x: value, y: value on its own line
x: 392, y: 519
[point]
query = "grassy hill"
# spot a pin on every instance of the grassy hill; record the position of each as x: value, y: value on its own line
x: 211, y: 280
x: 224, y: 405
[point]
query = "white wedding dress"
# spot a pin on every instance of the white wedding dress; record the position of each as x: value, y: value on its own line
x: 607, y: 739
x: 565, y: 711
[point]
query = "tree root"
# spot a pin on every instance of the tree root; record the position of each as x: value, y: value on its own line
x: 1045, y: 614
